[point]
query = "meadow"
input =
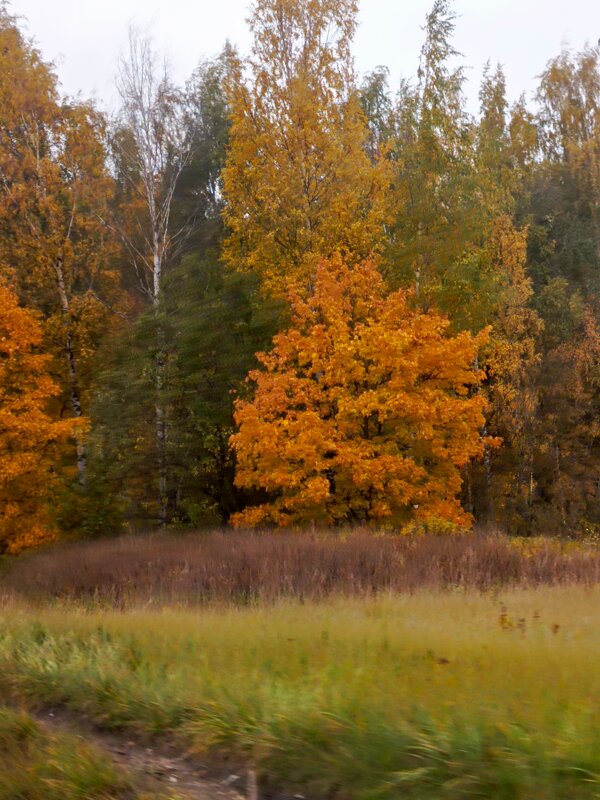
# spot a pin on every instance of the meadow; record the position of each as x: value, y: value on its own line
x: 448, y: 691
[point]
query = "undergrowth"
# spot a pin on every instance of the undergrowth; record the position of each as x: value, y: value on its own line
x: 246, y: 568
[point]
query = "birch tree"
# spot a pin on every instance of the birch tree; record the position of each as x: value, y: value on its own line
x: 152, y: 147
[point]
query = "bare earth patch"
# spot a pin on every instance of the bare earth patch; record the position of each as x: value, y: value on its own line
x: 156, y: 768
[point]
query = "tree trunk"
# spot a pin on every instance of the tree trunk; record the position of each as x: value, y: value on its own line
x: 159, y: 385
x: 161, y: 432
x: 74, y: 390
x: 489, y: 488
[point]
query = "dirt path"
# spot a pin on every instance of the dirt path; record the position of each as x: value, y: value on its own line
x: 159, y: 769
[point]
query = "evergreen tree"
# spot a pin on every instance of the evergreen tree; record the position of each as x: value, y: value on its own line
x: 435, y: 199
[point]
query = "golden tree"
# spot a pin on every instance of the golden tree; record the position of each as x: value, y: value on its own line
x: 362, y: 411
x: 55, y: 191
x: 29, y: 438
x: 298, y: 182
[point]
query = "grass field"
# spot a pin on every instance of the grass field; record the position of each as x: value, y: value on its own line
x: 451, y: 694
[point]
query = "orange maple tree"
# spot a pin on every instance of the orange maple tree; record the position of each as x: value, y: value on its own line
x: 362, y: 412
x: 29, y: 439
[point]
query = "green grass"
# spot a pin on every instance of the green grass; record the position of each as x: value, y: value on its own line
x: 37, y: 765
x: 427, y: 696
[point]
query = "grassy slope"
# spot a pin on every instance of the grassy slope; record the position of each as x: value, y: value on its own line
x: 423, y: 696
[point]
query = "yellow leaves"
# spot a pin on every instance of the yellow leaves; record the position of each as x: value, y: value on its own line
x: 28, y: 437
x: 53, y: 199
x: 363, y: 414
x: 298, y: 182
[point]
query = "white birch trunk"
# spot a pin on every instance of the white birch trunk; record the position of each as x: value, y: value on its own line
x: 74, y: 390
x: 153, y: 112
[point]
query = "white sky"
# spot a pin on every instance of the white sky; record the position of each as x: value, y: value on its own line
x: 84, y: 37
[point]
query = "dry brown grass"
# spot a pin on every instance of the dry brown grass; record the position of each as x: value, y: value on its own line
x: 243, y: 567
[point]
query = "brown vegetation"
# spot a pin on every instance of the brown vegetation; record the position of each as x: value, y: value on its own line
x: 243, y: 567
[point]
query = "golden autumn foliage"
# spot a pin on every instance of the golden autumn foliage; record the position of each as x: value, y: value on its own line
x: 29, y: 438
x: 362, y: 411
x: 298, y: 181
x: 155, y: 251
x: 55, y: 193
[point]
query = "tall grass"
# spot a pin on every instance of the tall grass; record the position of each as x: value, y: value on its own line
x: 430, y: 695
x: 247, y: 567
x: 38, y: 765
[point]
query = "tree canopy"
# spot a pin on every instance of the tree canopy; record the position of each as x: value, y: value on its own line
x: 281, y: 292
x: 363, y: 410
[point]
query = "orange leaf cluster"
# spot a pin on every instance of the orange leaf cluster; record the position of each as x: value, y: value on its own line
x: 29, y: 438
x: 363, y: 410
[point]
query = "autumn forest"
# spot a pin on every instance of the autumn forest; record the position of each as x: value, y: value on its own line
x: 285, y: 294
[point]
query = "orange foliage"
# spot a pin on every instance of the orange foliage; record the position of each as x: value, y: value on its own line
x: 362, y: 411
x: 55, y: 192
x: 28, y: 437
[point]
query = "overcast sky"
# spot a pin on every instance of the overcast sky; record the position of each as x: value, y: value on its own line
x: 84, y: 37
